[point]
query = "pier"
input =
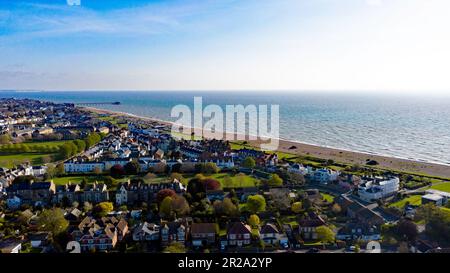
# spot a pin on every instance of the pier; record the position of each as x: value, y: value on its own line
x: 98, y: 103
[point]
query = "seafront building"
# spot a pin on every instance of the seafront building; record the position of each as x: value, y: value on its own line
x: 377, y: 188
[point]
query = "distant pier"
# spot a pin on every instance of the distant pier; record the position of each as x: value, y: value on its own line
x: 98, y: 103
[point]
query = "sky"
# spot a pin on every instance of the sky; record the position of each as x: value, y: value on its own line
x: 362, y: 45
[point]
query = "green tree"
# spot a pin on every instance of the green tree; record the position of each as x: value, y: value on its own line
x: 275, y: 181
x: 254, y: 221
x: 249, y: 162
x: 256, y: 203
x: 296, y: 207
x: 52, y: 220
x: 81, y: 145
x: 165, y: 208
x: 132, y: 168
x: 59, y: 170
x: 175, y: 247
x: 210, y: 168
x: 102, y: 209
x: 325, y: 234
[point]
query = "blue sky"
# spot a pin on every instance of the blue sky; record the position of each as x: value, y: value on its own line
x: 372, y: 45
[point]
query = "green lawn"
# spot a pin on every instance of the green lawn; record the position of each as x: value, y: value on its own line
x: 78, y: 179
x: 238, y: 180
x: 327, y: 197
x: 445, y: 186
x: 10, y: 161
x: 35, y: 156
x: 415, y: 200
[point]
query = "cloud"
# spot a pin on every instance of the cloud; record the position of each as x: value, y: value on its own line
x: 46, y: 20
x: 374, y: 2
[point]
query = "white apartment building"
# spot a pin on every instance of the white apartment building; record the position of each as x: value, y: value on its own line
x: 378, y: 188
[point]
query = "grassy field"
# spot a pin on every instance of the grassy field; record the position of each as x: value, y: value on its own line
x: 35, y: 156
x: 78, y: 179
x: 442, y: 187
x: 238, y: 181
x: 415, y: 200
x: 10, y: 161
x: 327, y: 197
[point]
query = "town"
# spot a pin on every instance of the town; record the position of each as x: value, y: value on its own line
x: 115, y: 183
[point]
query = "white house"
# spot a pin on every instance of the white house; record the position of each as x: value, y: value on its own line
x: 378, y: 188
x: 299, y: 168
x: 39, y: 170
x: 324, y: 176
x: 83, y: 167
x: 439, y: 198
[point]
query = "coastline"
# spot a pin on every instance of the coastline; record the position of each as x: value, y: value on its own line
x: 335, y: 154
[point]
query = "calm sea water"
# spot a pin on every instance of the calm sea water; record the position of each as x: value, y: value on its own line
x: 409, y: 127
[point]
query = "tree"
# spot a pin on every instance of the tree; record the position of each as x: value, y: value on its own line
x: 407, y: 229
x: 81, y: 145
x: 227, y: 182
x: 180, y: 205
x: 176, y: 176
x: 60, y: 169
x: 52, y: 220
x: 209, y: 168
x: 336, y: 209
x: 162, y: 194
x: 296, y: 178
x: 254, y: 221
x: 175, y: 247
x: 275, y: 181
x: 211, y: 184
x: 249, y: 162
x: 225, y: 207
x: 117, y: 171
x: 5, y: 139
x: 296, y: 207
x: 195, y: 186
x: 87, y: 207
x: 102, y: 209
x: 97, y: 171
x: 165, y: 208
x: 256, y: 203
x: 132, y: 167
x: 110, y: 182
x: 325, y: 234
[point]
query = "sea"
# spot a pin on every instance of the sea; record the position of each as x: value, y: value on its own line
x: 412, y: 127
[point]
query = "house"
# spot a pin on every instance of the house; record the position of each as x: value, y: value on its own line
x: 213, y: 195
x: 159, y: 154
x: 299, y: 169
x: 94, y: 193
x: 84, y: 167
x: 325, y: 176
x: 377, y: 188
x: 239, y: 234
x: 203, y: 234
x: 173, y: 232
x: 359, y: 231
x: 270, y: 234
x: 10, y: 246
x: 73, y: 215
x: 99, y: 234
x: 363, y: 214
x: 14, y: 202
x: 146, y: 232
x: 439, y: 198
x: 35, y: 193
x: 308, y: 225
x: 67, y: 193
x: 39, y: 170
x: 39, y: 239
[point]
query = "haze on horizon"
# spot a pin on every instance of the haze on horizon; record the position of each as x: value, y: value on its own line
x: 372, y: 45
